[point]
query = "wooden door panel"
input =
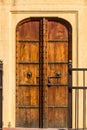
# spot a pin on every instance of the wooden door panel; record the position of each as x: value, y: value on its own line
x: 57, y: 96
x: 28, y: 30
x: 61, y: 51
x: 61, y: 118
x: 54, y: 69
x: 57, y: 118
x: 31, y: 118
x: 51, y: 96
x: 58, y: 51
x: 27, y: 71
x: 61, y: 96
x: 51, y: 118
x: 51, y: 52
x: 57, y: 31
x: 57, y: 64
x: 25, y: 96
x: 31, y: 48
x: 24, y: 78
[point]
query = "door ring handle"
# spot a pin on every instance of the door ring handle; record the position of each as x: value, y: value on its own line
x: 29, y: 74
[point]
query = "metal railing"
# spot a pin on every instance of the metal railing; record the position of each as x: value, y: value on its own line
x: 78, y: 87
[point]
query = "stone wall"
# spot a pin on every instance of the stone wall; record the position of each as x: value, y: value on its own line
x: 11, y: 13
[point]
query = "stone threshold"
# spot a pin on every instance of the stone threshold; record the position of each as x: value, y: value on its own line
x: 20, y: 128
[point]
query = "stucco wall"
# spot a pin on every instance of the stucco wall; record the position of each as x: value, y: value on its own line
x: 12, y: 12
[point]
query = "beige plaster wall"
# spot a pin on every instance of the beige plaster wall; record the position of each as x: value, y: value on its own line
x: 12, y: 12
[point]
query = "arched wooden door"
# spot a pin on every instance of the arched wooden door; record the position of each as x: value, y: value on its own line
x: 43, y: 50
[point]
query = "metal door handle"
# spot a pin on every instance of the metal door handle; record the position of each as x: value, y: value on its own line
x: 29, y: 74
x: 58, y: 74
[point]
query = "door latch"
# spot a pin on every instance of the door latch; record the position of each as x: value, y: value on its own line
x: 49, y: 83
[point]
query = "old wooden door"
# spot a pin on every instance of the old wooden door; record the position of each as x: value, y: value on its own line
x: 42, y: 54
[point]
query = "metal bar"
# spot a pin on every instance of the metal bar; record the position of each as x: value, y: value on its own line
x: 84, y: 102
x: 28, y: 62
x: 27, y: 107
x: 35, y: 107
x: 75, y: 111
x: 70, y: 95
x: 57, y: 106
x: 27, y: 85
x: 79, y: 87
x: 53, y: 77
x: 44, y: 40
x: 79, y: 69
x: 75, y: 87
x: 50, y: 76
x: 29, y: 41
x: 58, y: 84
x: 65, y: 62
x: 54, y: 40
x: 22, y: 62
x: 77, y: 107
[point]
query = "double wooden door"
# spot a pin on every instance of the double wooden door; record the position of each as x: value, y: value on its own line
x: 42, y: 54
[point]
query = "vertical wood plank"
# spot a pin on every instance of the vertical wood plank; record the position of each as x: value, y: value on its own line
x: 27, y: 97
x: 58, y: 96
